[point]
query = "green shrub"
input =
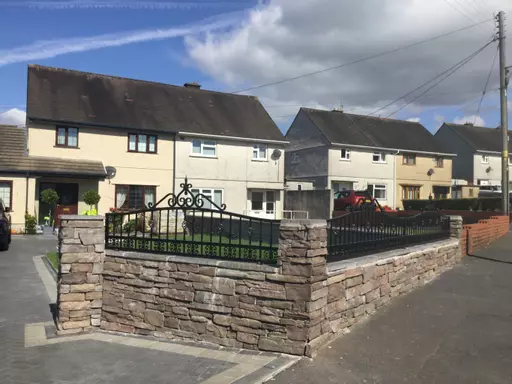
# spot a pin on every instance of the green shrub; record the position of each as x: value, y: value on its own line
x: 91, y: 198
x: 30, y: 224
x: 138, y: 225
x: 50, y: 196
x: 474, y: 204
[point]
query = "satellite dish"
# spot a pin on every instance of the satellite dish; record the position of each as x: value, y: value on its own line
x: 489, y: 169
x: 276, y: 154
x: 111, y: 172
x: 430, y: 172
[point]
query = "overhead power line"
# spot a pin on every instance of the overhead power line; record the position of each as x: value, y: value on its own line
x: 448, y: 73
x: 486, y: 85
x: 364, y: 58
x: 459, y: 11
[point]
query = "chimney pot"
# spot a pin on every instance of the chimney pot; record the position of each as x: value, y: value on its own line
x: 193, y: 85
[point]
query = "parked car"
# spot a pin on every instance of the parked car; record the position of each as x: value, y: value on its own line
x: 348, y: 200
x: 5, y: 227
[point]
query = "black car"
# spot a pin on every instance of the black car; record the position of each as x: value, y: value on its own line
x: 5, y: 227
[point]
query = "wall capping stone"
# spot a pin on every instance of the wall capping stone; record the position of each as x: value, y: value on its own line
x: 227, y: 264
x: 81, y: 217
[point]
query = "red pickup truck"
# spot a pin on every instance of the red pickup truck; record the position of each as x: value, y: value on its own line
x: 348, y: 200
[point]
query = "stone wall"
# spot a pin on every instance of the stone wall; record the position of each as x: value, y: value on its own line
x: 236, y: 304
x: 358, y: 288
x: 293, y: 307
x: 80, y: 282
x: 483, y: 233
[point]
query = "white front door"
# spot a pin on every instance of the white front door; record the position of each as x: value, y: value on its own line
x: 263, y: 204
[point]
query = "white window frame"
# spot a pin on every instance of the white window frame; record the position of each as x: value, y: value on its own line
x: 382, y: 157
x: 204, y: 144
x: 210, y: 193
x: 375, y: 187
x: 485, y: 159
x: 347, y: 154
x: 256, y: 148
x: 265, y: 200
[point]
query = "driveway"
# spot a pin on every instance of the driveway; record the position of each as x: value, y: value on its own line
x: 457, y: 329
x: 31, y: 353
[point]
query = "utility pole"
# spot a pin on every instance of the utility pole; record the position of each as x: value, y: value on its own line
x: 505, y: 199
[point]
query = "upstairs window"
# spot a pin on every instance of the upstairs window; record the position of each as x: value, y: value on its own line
x: 379, y: 157
x: 205, y: 148
x: 142, y: 143
x: 485, y: 159
x: 409, y: 159
x: 66, y: 137
x: 439, y: 162
x: 259, y: 152
x: 295, y: 158
x: 345, y: 154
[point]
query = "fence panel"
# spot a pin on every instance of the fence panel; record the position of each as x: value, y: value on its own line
x: 365, y: 231
x: 193, y: 225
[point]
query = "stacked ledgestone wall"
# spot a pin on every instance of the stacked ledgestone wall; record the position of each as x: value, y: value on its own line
x: 293, y: 307
x: 80, y: 283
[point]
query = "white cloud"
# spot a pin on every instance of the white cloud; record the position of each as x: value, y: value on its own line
x: 288, y: 38
x: 470, y: 119
x: 414, y: 119
x: 146, y: 5
x: 13, y: 116
x: 52, y: 48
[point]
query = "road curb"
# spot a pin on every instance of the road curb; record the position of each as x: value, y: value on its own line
x: 54, y: 273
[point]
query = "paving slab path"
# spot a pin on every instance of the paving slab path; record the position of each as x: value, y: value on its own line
x: 457, y: 329
x: 31, y: 353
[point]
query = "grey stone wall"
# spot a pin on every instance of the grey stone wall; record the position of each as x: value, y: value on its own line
x: 80, y: 282
x: 235, y: 304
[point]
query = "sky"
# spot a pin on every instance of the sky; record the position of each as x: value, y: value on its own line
x: 269, y: 48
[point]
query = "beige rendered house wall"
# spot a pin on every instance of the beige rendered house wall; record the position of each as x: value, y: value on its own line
x: 110, y: 146
x: 232, y: 169
x: 19, y: 202
x: 416, y: 175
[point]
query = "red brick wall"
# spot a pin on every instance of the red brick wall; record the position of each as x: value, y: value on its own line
x: 475, y: 236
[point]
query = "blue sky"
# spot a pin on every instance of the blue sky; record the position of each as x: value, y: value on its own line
x: 234, y: 44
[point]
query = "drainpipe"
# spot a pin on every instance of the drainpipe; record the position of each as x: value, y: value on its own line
x: 394, y: 179
x: 26, y: 194
x: 174, y: 165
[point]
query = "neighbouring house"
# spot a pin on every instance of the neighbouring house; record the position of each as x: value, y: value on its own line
x: 478, y: 152
x: 393, y: 159
x: 462, y: 189
x: 139, y: 140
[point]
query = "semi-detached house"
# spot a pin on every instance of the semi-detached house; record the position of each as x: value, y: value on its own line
x: 136, y: 141
x: 394, y: 159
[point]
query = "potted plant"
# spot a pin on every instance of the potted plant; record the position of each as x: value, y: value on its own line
x: 50, y: 197
x: 91, y: 198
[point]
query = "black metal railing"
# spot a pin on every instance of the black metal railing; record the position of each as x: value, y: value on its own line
x: 366, y: 231
x: 193, y: 225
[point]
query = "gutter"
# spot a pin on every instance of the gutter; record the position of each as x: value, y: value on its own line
x: 393, y: 149
x: 193, y: 134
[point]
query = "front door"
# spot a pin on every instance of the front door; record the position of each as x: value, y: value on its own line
x: 263, y: 204
x: 67, y: 204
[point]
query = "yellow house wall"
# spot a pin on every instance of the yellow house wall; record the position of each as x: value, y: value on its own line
x: 19, y: 187
x: 111, y: 147
x: 417, y: 175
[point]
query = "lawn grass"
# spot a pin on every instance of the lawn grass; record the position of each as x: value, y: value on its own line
x: 53, y: 257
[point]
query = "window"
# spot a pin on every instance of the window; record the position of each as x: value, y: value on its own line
x: 295, y: 158
x: 205, y: 148
x: 259, y: 152
x: 379, y: 157
x: 214, y: 195
x: 378, y: 191
x: 345, y: 154
x: 411, y: 192
x: 142, y: 143
x: 440, y: 192
x: 263, y: 201
x: 66, y: 137
x: 485, y: 159
x: 6, y: 193
x: 134, y: 196
x: 439, y: 162
x: 409, y: 159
